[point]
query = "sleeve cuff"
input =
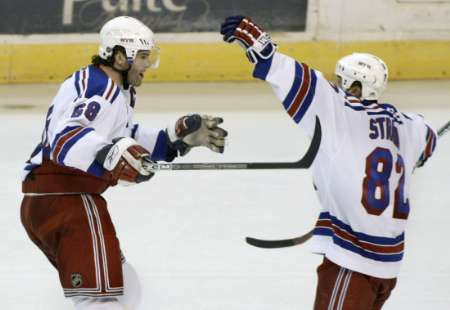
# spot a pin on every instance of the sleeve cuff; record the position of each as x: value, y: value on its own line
x: 262, y: 68
x: 163, y: 150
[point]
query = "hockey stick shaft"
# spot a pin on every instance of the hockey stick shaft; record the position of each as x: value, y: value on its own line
x: 304, y: 163
x: 444, y: 129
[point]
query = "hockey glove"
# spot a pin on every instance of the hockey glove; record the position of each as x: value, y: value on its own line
x: 126, y: 160
x: 195, y: 130
x: 257, y: 43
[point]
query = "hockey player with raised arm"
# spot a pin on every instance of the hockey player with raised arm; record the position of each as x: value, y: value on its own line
x: 362, y: 171
x: 90, y: 142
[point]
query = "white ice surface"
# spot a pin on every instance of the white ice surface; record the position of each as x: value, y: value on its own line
x: 184, y: 231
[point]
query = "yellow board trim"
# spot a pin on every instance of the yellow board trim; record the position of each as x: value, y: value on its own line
x: 43, y: 63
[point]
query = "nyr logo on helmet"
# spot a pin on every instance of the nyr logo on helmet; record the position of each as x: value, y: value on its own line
x: 364, y: 64
x: 127, y: 40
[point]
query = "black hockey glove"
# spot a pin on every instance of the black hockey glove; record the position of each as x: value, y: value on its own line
x: 257, y: 43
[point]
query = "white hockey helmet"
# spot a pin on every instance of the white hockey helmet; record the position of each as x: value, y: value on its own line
x: 365, y: 68
x: 132, y: 35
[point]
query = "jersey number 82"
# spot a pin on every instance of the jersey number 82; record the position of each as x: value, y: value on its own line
x: 375, y: 193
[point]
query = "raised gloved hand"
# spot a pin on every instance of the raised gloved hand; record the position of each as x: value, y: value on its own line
x: 195, y: 130
x: 257, y: 43
x: 126, y: 160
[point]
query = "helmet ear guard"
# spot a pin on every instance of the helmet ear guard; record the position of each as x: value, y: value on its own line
x: 132, y: 35
x: 365, y: 68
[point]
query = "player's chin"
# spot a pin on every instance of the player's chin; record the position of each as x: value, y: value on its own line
x: 136, y: 82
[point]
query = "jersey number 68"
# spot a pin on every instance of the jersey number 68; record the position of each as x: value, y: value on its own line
x: 90, y: 110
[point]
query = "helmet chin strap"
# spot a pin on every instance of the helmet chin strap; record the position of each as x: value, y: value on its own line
x: 125, y: 81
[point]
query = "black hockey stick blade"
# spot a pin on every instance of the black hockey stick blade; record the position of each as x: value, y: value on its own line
x: 275, y: 244
x: 304, y: 163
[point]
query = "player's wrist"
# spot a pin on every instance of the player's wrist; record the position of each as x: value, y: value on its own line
x: 261, y: 53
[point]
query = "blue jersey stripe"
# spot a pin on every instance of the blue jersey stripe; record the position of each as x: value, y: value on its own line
x: 296, y: 84
x: 356, y: 108
x: 375, y: 256
x: 116, y: 93
x: 323, y: 231
x: 372, y: 110
x: 433, y: 140
x: 430, y: 145
x: 308, y: 99
x: 77, y: 80
x: 62, y: 133
x: 69, y: 143
x: 361, y: 236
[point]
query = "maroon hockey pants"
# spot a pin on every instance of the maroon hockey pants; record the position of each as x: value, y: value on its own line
x: 76, y: 234
x: 340, y: 288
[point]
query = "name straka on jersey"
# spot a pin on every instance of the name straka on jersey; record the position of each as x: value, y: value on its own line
x: 384, y: 128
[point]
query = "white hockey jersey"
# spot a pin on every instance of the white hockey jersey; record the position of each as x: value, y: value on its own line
x: 87, y: 113
x: 363, y: 168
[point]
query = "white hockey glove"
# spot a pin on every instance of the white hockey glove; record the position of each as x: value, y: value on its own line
x: 126, y: 160
x: 257, y: 43
x: 195, y: 130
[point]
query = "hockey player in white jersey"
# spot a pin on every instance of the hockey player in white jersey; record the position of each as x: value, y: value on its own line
x: 362, y: 171
x: 90, y: 142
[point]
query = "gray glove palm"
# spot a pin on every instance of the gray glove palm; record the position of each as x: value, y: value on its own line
x: 195, y: 130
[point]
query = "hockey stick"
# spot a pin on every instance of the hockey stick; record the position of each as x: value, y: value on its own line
x: 273, y: 244
x: 304, y: 163
x: 441, y: 131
